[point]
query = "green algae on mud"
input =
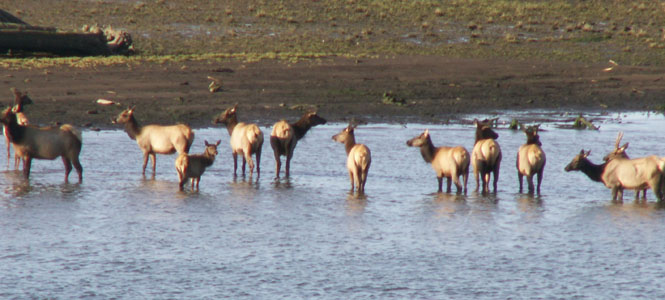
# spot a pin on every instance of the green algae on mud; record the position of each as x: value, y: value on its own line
x: 629, y: 32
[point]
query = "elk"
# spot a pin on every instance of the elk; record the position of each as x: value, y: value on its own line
x: 155, y: 139
x: 531, y: 159
x: 193, y: 166
x: 285, y: 136
x: 359, y: 158
x: 20, y: 99
x: 246, y: 139
x: 44, y: 143
x: 619, y: 173
x: 449, y: 162
x: 619, y: 152
x: 486, y: 154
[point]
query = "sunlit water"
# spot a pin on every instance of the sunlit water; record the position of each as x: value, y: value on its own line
x: 118, y: 235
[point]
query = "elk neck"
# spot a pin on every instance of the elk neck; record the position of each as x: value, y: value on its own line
x: 15, y: 132
x: 231, y: 123
x: 427, y: 150
x: 349, y: 142
x: 132, y: 127
x: 301, y: 127
x: 593, y: 171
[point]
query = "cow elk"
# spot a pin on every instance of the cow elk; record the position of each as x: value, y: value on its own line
x: 359, y: 158
x: 486, y: 155
x: 531, y: 159
x: 193, y: 166
x: 155, y: 139
x: 44, y: 143
x: 20, y: 99
x: 285, y: 136
x: 449, y: 162
x: 246, y: 140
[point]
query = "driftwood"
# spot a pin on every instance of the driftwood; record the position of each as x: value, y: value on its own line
x: 16, y: 35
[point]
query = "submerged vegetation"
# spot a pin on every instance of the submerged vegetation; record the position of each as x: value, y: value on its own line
x: 631, y: 32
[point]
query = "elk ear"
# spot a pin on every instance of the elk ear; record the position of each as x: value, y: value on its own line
x: 426, y: 133
x: 475, y: 122
x: 206, y: 143
x: 218, y: 142
x: 587, y: 153
x: 233, y: 109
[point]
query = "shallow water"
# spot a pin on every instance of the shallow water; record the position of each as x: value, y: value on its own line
x: 120, y: 235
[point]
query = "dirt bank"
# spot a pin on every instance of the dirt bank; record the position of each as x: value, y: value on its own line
x: 433, y: 89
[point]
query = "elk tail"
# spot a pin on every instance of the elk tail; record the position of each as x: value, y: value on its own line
x: 73, y: 130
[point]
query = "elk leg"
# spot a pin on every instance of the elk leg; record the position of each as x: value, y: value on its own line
x: 244, y: 162
x: 278, y: 163
x: 68, y: 167
x: 250, y: 162
x: 530, y: 181
x: 496, y: 177
x: 448, y: 184
x: 145, y: 161
x: 181, y: 184
x: 520, y: 177
x: 288, y: 163
x: 475, y: 174
x: 78, y: 167
x: 27, y: 162
x: 153, y: 157
x: 351, y: 178
x: 440, y: 180
x: 258, y: 162
x: 465, y: 177
x: 235, y: 162
x: 540, y: 180
x: 363, y: 178
x: 197, y: 182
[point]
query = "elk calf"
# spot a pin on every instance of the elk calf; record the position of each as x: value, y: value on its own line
x: 358, y: 159
x: 44, y: 143
x: 531, y: 159
x: 486, y: 155
x: 155, y: 139
x: 246, y: 139
x: 285, y: 136
x: 449, y: 162
x: 193, y: 166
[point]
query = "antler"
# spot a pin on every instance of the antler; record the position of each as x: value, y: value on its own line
x: 618, y: 141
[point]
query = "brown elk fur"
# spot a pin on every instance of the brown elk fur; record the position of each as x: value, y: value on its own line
x: 486, y: 155
x: 44, y: 143
x: 20, y: 99
x: 246, y: 140
x: 531, y: 159
x: 285, y: 136
x: 193, y: 166
x: 156, y: 139
x: 359, y: 158
x: 449, y: 162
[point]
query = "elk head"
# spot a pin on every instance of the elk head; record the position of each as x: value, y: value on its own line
x: 532, y: 136
x: 419, y: 140
x: 618, y: 152
x: 484, y: 129
x: 345, y: 134
x: 225, y: 117
x: 124, y: 116
x: 211, y: 149
x: 314, y: 119
x: 20, y: 99
x: 578, y: 161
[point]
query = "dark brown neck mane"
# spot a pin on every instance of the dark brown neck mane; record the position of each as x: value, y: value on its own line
x: 427, y: 150
x: 132, y: 127
x: 301, y: 127
x: 593, y: 171
x: 349, y: 143
x: 231, y: 123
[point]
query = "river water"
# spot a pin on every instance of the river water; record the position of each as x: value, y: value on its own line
x: 119, y: 235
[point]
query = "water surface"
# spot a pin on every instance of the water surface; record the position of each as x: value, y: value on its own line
x: 121, y: 235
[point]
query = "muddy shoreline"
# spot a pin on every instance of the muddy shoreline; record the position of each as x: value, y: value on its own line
x: 422, y: 89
